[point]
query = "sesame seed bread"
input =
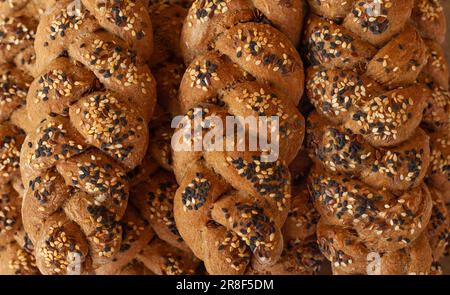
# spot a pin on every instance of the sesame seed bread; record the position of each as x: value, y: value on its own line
x: 30, y: 8
x: 136, y: 233
x: 349, y: 256
x: 371, y: 153
x: 428, y: 16
x: 164, y: 259
x: 231, y: 206
x: 18, y: 26
x: 154, y: 198
x: 301, y: 254
x: 439, y: 175
x: 89, y: 106
x: 435, y: 73
x: 15, y: 260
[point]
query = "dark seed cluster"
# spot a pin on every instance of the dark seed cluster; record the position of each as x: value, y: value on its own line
x: 268, y: 178
x: 196, y: 193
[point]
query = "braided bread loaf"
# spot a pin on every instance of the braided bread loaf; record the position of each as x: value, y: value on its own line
x: 18, y: 27
x: 231, y: 206
x: 167, y: 19
x: 87, y: 131
x: 151, y: 243
x: 370, y: 154
x: 209, y: 19
x: 429, y: 18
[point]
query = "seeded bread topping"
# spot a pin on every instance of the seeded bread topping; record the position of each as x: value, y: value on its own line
x: 89, y: 106
x: 371, y: 155
x: 231, y: 206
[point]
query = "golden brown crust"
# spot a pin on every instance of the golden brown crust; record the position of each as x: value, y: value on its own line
x: 340, y: 150
x: 89, y: 108
x: 349, y: 256
x: 163, y: 259
x: 18, y: 26
x: 384, y: 119
x: 207, y: 20
x: 398, y: 63
x: 30, y: 8
x: 381, y: 220
x: 439, y: 174
x: 437, y: 113
x: 231, y: 206
x: 167, y: 19
x: 10, y: 219
x: 428, y: 16
x: 15, y: 84
x: 16, y: 40
x: 11, y: 139
x: 302, y: 258
x: 149, y: 226
x: 18, y: 23
x: 108, y: 57
x: 436, y: 73
x: 301, y: 255
x: 136, y: 233
x: 302, y: 218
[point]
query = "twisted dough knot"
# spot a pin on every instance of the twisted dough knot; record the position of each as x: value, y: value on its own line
x: 89, y: 106
x: 208, y: 19
x: 14, y: 85
x: 371, y: 156
x: 231, y: 205
x: 167, y: 254
x: 429, y: 18
x: 439, y: 176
